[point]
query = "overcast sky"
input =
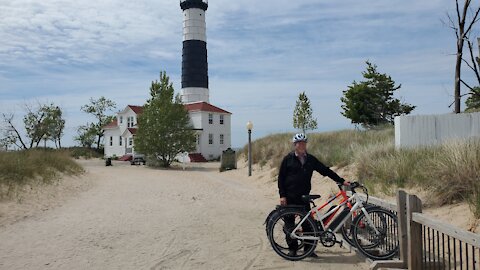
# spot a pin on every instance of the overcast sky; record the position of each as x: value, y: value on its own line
x: 261, y: 55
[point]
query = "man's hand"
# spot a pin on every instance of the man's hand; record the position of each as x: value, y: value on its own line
x: 346, y: 183
x: 283, y: 201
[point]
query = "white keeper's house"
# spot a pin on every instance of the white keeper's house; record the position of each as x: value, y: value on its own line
x: 211, y: 124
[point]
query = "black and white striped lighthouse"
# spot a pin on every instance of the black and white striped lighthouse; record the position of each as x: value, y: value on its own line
x: 194, y: 54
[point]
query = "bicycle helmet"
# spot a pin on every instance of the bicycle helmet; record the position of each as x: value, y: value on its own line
x: 299, y: 137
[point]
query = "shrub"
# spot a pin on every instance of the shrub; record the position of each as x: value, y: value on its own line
x: 83, y: 152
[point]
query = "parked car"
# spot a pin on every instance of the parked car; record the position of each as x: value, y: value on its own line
x: 138, y: 160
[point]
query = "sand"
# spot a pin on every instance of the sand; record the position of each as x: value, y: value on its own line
x: 135, y: 217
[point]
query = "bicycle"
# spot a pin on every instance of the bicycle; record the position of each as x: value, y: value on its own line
x: 293, y: 227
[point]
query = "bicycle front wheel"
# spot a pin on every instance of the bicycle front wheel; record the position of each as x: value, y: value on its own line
x: 281, y: 228
x: 376, y: 234
x: 347, y: 228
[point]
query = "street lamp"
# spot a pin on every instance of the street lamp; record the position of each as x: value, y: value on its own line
x: 45, y: 137
x: 249, y: 128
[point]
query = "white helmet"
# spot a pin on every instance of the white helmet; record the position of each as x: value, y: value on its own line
x: 299, y: 137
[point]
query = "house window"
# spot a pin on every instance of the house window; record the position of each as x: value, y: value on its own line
x: 130, y: 141
x: 121, y: 119
x: 221, y: 138
x: 130, y: 120
x: 221, y: 119
x: 111, y: 141
x: 210, y: 138
x: 210, y: 118
x: 120, y: 140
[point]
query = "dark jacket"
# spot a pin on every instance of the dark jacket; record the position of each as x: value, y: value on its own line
x: 294, y: 179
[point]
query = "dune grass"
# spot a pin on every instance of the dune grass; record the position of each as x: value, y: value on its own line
x: 451, y: 172
x: 332, y: 148
x: 21, y: 168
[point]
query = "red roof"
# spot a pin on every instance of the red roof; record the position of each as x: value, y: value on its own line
x: 204, y: 107
x: 112, y: 124
x: 136, y: 109
x: 132, y: 130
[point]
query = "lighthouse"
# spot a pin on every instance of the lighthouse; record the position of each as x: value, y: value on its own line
x: 194, y: 52
x: 212, y: 125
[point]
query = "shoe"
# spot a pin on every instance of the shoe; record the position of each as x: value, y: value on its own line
x: 292, y: 253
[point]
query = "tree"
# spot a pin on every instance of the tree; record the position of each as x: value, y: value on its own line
x: 86, y: 135
x: 164, y: 128
x: 99, y: 108
x: 473, y: 101
x: 302, y: 115
x: 44, y: 123
x: 371, y: 102
x: 462, y: 28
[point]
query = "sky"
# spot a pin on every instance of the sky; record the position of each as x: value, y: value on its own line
x: 261, y: 55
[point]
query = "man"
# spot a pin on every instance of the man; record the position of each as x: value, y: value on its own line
x: 294, y: 180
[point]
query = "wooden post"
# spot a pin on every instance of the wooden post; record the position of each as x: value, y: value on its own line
x: 402, y: 225
x: 414, y: 231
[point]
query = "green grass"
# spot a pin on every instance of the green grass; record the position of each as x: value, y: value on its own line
x: 20, y: 168
x: 451, y: 172
x: 332, y: 148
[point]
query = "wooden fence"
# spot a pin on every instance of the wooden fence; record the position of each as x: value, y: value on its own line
x: 427, y: 243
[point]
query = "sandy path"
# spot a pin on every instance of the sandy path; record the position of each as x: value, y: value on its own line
x: 141, y: 218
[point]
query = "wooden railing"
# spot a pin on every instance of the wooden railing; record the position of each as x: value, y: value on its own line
x: 427, y: 243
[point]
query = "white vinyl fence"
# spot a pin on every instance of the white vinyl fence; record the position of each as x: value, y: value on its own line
x: 424, y: 130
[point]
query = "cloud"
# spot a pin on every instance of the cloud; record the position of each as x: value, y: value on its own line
x: 261, y: 54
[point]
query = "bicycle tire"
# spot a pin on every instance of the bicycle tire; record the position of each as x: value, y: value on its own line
x: 278, y: 230
x: 382, y: 246
x: 347, y: 231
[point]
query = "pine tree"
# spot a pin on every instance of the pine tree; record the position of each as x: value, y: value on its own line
x: 164, y: 128
x: 302, y: 115
x: 371, y: 103
x: 473, y: 101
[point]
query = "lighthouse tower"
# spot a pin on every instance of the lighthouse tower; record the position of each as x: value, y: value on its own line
x: 212, y: 125
x: 194, y: 53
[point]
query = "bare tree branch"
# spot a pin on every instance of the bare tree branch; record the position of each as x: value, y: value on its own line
x: 468, y: 86
x: 452, y: 25
x: 458, y: 11
x: 474, y: 20
x: 475, y: 69
x: 468, y: 64
x: 8, y: 119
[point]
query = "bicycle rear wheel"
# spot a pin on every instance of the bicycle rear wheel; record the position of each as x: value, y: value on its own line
x: 380, y: 245
x: 282, y: 226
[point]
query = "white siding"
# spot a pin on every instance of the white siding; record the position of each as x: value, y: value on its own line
x: 115, y: 149
x: 422, y: 130
x: 213, y: 151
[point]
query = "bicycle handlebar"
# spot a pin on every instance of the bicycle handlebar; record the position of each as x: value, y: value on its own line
x: 355, y: 185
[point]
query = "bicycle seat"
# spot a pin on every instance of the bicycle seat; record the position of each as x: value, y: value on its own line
x: 308, y: 198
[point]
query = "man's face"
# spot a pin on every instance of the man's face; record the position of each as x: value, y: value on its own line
x: 301, y: 147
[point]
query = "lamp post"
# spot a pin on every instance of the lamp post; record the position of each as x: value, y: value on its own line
x: 45, y: 137
x: 249, y: 128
